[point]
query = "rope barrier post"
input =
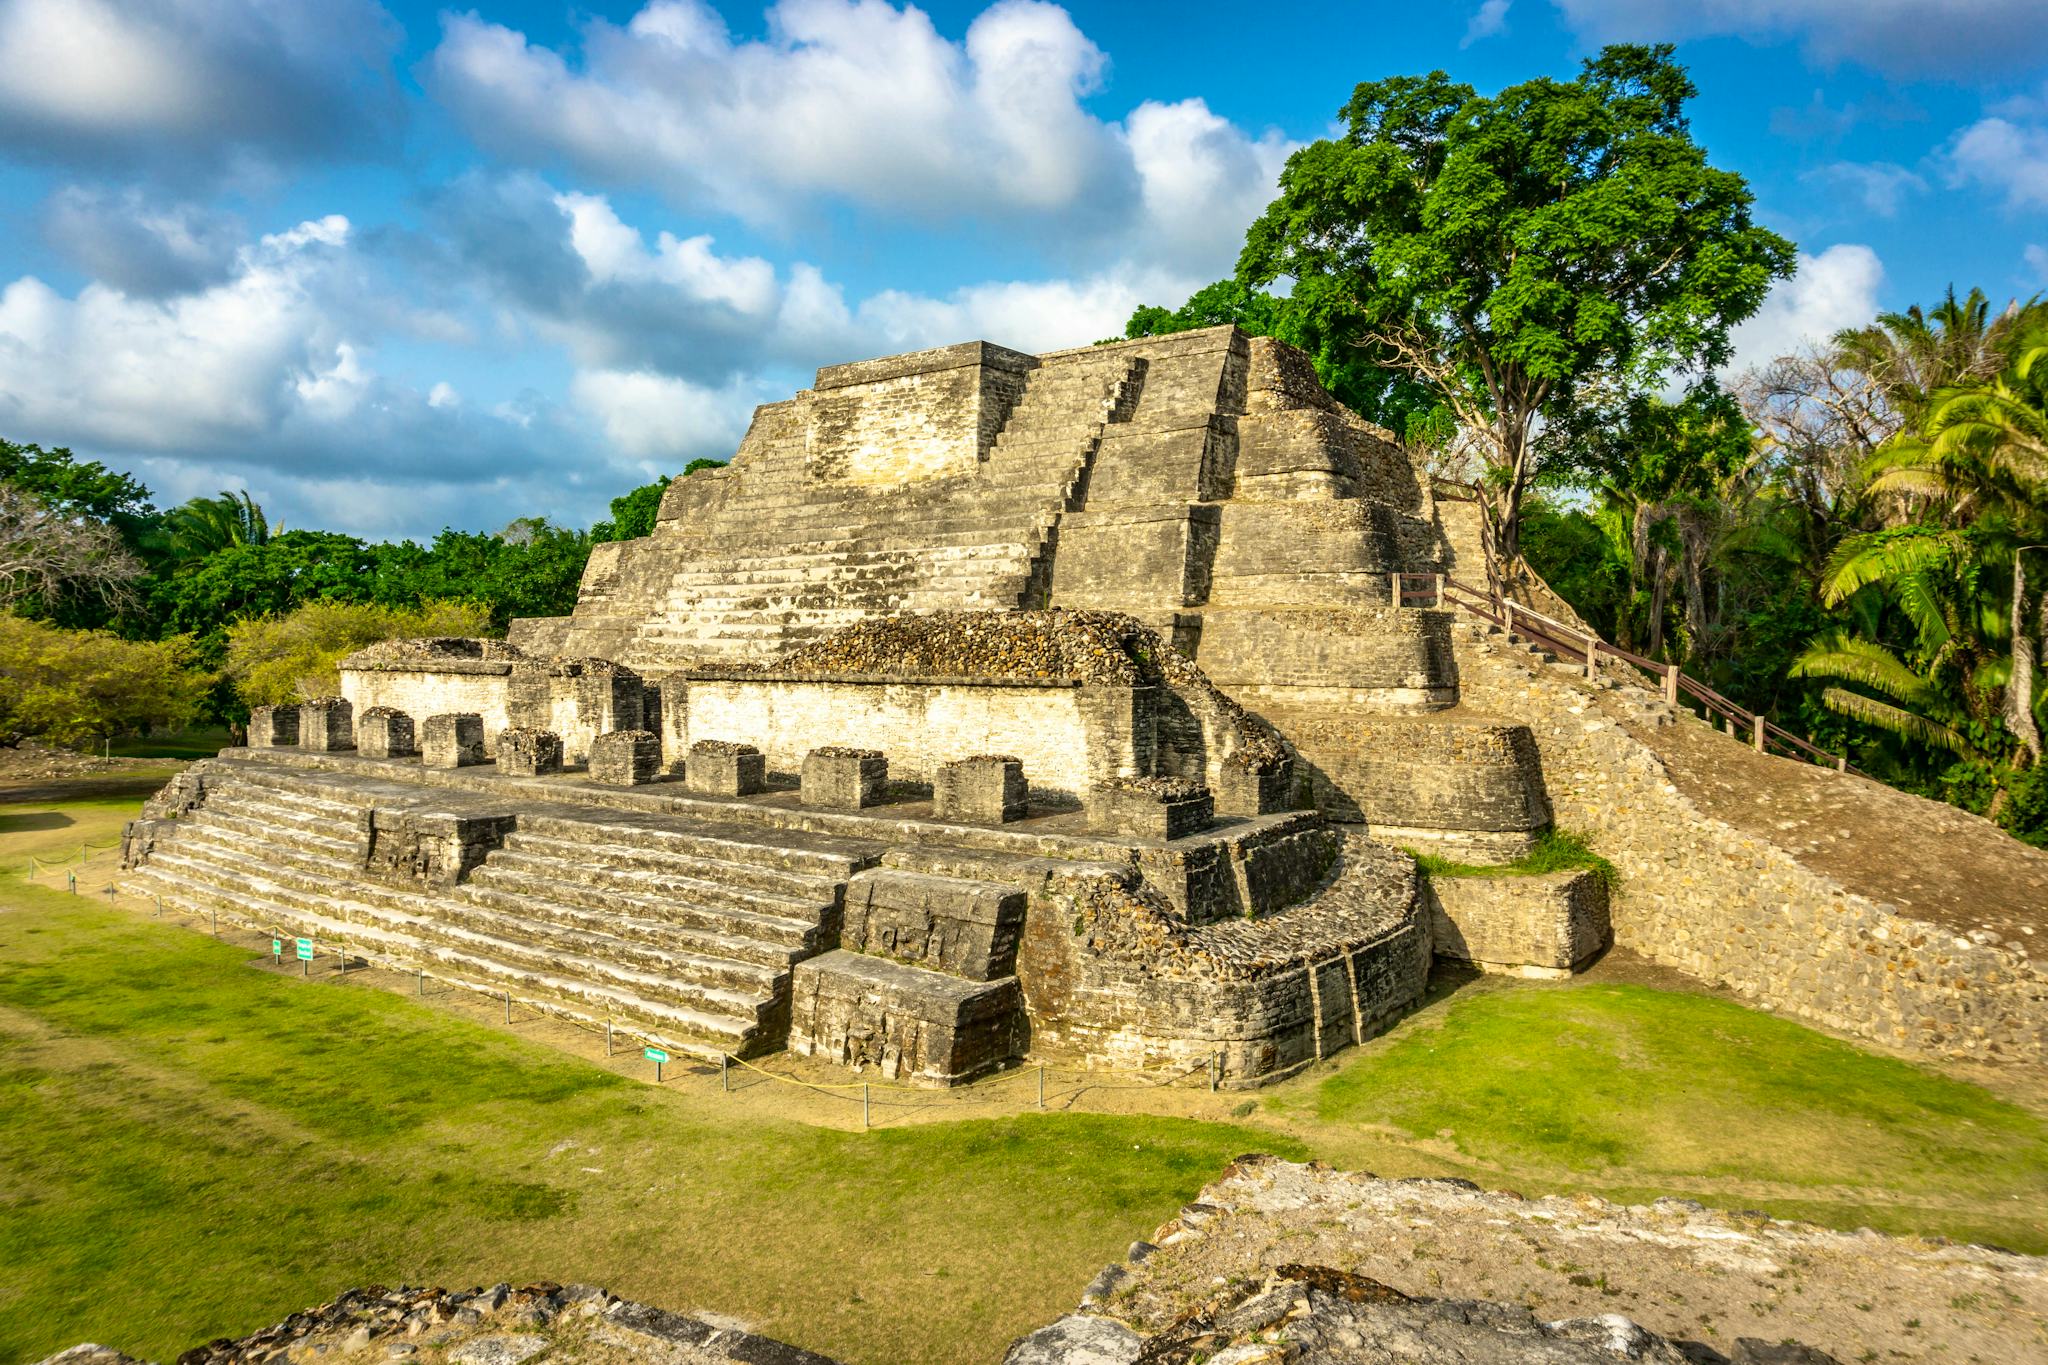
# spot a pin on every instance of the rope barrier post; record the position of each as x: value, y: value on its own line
x: 110, y: 893
x: 863, y: 1104
x: 420, y: 985
x: 607, y: 1037
x: 725, y: 1073
x: 1041, y: 1085
x: 508, y: 1007
x: 159, y: 907
x: 1212, y: 1073
x: 73, y: 876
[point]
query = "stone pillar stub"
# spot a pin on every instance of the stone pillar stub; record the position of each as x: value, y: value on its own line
x: 840, y: 778
x: 452, y: 741
x: 625, y: 758
x: 987, y: 789
x: 723, y: 767
x: 527, y: 752
x: 327, y: 725
x: 273, y: 727
x: 385, y: 732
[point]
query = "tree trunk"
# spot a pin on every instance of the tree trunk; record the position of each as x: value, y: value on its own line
x: 2026, y: 654
x: 1660, y: 593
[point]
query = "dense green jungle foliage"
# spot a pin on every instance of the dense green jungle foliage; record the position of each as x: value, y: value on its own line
x: 212, y: 607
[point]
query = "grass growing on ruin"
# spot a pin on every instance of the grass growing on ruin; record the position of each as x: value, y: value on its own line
x: 194, y: 1149
x: 1555, y: 851
x: 1639, y: 1091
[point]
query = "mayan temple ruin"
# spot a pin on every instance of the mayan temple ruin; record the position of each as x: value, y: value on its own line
x: 1078, y: 705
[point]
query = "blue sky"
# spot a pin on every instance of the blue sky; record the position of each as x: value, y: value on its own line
x: 398, y: 267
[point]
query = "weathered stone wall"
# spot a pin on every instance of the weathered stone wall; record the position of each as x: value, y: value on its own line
x: 1066, y: 736
x: 904, y: 419
x: 433, y: 692
x: 1535, y: 926
x: 1731, y: 907
x: 1372, y: 658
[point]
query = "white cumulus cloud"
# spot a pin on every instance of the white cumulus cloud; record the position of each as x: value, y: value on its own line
x: 2009, y: 157
x: 156, y: 82
x: 1835, y: 289
x: 866, y: 103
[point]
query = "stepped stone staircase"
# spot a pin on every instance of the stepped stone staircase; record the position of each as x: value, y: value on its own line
x: 843, y: 552
x: 686, y: 930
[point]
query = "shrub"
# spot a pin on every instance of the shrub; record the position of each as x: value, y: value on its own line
x: 72, y: 686
x: 274, y: 660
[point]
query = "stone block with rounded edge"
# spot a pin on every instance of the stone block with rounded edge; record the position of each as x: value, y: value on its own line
x: 452, y: 741
x: 987, y: 789
x: 724, y: 767
x: 1244, y: 790
x: 1151, y: 807
x: 273, y: 727
x: 625, y: 758
x: 524, y: 751
x: 385, y: 732
x: 839, y: 778
x: 327, y: 725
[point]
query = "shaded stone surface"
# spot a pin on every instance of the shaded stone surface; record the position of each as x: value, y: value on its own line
x: 327, y: 725
x: 840, y: 778
x: 524, y: 752
x: 985, y: 789
x: 625, y: 758
x: 385, y: 732
x: 452, y: 741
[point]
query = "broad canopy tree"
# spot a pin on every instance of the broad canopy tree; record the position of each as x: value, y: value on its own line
x: 1517, y: 250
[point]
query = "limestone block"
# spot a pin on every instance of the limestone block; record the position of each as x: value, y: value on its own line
x: 526, y: 752
x: 625, y: 758
x: 838, y: 778
x: 1245, y: 791
x: 1536, y: 926
x: 988, y: 789
x: 273, y: 727
x: 327, y: 725
x: 1151, y: 807
x: 911, y: 1024
x: 413, y: 847
x: 951, y: 924
x: 385, y: 732
x: 452, y: 741
x: 723, y: 767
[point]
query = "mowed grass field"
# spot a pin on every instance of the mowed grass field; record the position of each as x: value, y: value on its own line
x: 191, y: 1146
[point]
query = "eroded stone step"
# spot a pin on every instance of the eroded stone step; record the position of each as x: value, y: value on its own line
x: 723, y: 908
x: 813, y: 854
x: 799, y: 886
x: 691, y: 1031
x: 689, y: 981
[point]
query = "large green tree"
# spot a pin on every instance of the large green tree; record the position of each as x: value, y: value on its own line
x: 1512, y: 251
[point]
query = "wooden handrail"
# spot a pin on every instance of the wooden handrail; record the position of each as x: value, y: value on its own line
x: 1565, y: 639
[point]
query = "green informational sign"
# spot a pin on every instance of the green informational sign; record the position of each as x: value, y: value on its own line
x: 655, y: 1054
x: 277, y: 947
x: 305, y: 950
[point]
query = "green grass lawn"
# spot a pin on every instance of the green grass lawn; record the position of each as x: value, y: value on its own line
x: 193, y: 1148
x: 204, y: 742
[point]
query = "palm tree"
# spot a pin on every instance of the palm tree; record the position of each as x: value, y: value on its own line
x: 205, y: 525
x: 1973, y: 482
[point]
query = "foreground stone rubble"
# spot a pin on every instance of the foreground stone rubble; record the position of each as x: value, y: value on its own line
x: 545, y: 1323
x: 1284, y: 1262
x: 1070, y: 706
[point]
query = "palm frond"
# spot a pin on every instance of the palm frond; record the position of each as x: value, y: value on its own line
x: 1862, y: 661
x: 1885, y: 556
x: 1896, y: 719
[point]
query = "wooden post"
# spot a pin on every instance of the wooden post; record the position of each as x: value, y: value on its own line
x: 1507, y: 618
x: 1671, y: 684
x: 1756, y: 732
x: 1394, y: 589
x: 1439, y: 590
x: 1842, y: 763
x: 1592, y: 657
